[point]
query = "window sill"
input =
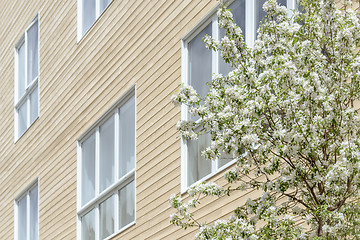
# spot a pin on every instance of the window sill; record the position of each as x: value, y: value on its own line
x: 121, y: 230
x: 207, y: 177
x: 27, y: 129
x: 81, y: 36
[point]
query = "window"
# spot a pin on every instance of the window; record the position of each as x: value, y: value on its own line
x: 198, y: 65
x: 26, y: 214
x: 88, y: 12
x: 26, y: 79
x: 106, y: 175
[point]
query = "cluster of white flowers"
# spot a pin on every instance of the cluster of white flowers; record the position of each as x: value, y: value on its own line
x: 187, y: 129
x: 287, y: 114
x: 187, y: 95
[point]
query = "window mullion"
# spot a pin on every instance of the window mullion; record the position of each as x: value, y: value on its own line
x: 28, y: 111
x: 116, y: 210
x: 26, y: 62
x: 214, y: 165
x: 26, y: 81
x: 250, y: 22
x: 97, y: 182
x: 97, y: 162
x: 215, y: 55
x: 28, y: 215
x: 97, y: 7
x: 184, y: 114
x: 79, y: 20
x: 116, y: 143
x: 116, y: 165
x: 215, y: 63
x: 291, y: 5
x: 97, y: 221
x: 79, y: 190
x: 184, y: 159
x: 17, y: 67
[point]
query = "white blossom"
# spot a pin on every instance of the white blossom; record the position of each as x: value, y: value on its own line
x: 288, y: 114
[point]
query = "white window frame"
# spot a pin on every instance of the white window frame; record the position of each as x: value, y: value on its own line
x: 25, y: 194
x: 98, y: 13
x: 112, y: 190
x: 30, y: 88
x: 250, y: 37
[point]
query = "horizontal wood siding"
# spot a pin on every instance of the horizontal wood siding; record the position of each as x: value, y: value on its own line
x: 133, y: 43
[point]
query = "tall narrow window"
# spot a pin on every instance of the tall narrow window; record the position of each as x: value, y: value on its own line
x: 26, y: 215
x: 199, y: 64
x: 88, y: 12
x: 26, y: 79
x: 107, y: 173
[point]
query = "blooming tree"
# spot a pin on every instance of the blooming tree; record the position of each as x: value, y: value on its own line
x: 287, y: 113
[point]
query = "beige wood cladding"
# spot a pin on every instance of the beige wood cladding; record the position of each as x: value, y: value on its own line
x: 135, y: 42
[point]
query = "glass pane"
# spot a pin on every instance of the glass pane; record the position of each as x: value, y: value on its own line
x: 259, y: 13
x: 238, y: 10
x: 88, y: 15
x: 104, y: 4
x: 21, y: 71
x: 224, y: 68
x: 198, y: 166
x: 88, y: 226
x: 127, y: 205
x: 282, y: 2
x: 22, y: 218
x: 107, y: 153
x: 107, y: 217
x: 127, y: 137
x: 224, y: 159
x: 88, y: 169
x: 34, y: 214
x: 32, y: 55
x: 22, y: 115
x: 200, y: 62
x: 34, y: 105
x: 200, y: 70
x: 299, y: 7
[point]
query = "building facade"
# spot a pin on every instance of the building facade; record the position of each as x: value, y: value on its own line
x: 88, y: 141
